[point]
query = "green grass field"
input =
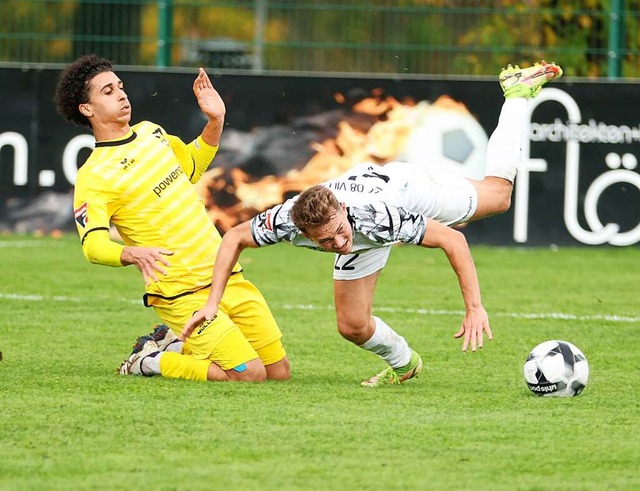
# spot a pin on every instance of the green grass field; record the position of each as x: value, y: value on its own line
x: 468, y: 423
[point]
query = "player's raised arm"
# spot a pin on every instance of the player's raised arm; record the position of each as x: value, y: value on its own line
x: 233, y: 243
x: 212, y: 105
x: 454, y: 244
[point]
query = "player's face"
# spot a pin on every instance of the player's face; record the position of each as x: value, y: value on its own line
x: 108, y: 102
x: 336, y: 235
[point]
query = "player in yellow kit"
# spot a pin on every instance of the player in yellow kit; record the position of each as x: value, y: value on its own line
x: 139, y: 178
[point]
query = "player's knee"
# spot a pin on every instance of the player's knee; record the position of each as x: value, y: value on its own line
x: 251, y: 371
x: 504, y: 202
x: 274, y: 358
x: 494, y: 197
x: 279, y: 370
x: 353, y: 328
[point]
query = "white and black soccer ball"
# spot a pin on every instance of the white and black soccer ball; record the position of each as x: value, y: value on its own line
x: 447, y: 141
x: 556, y: 369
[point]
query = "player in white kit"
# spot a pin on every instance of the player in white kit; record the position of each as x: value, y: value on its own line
x: 362, y: 213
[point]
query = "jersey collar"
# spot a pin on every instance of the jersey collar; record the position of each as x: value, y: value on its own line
x: 114, y: 143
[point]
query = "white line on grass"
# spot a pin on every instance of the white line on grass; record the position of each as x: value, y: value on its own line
x: 515, y: 315
x: 20, y: 244
x: 60, y: 298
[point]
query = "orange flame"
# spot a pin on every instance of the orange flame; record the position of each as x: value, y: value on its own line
x: 232, y: 196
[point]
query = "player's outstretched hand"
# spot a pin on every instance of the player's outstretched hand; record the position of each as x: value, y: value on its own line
x: 474, y: 325
x: 205, y: 314
x: 210, y: 102
x: 146, y: 260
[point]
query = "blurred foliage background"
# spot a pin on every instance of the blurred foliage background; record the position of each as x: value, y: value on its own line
x: 591, y: 38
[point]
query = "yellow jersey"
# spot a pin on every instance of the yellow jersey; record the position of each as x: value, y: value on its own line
x: 142, y: 184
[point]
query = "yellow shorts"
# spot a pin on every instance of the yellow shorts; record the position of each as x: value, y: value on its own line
x: 243, y: 330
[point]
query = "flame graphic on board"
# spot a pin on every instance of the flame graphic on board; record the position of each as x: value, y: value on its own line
x: 232, y: 196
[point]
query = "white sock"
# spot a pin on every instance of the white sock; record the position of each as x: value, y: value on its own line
x: 175, y: 346
x: 505, y: 143
x: 151, y: 364
x: 388, y: 344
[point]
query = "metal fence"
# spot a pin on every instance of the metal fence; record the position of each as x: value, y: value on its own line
x: 591, y: 38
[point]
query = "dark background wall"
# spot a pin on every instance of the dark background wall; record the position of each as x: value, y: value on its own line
x: 583, y: 148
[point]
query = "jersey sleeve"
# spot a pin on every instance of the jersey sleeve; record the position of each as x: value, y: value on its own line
x: 194, y: 157
x: 92, y: 204
x: 386, y: 224
x: 274, y: 225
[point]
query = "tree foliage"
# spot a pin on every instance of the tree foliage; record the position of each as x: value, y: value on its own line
x: 468, y: 37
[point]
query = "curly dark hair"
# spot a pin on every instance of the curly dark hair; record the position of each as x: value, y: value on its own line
x: 73, y: 86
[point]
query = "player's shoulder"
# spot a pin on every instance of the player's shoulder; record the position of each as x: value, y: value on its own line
x: 92, y: 170
x: 368, y: 209
x: 145, y: 128
x: 87, y: 165
x: 379, y: 212
x: 280, y: 212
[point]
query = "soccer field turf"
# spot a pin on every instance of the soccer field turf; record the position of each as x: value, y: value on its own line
x: 468, y: 423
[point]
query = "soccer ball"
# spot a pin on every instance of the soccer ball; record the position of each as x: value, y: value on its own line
x: 556, y: 369
x: 448, y: 141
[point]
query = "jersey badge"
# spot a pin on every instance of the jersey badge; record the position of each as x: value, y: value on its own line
x: 80, y: 215
x: 267, y: 221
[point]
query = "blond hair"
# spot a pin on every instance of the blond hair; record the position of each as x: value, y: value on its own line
x: 314, y: 208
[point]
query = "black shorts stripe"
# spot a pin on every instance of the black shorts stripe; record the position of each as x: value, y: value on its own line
x: 145, y: 297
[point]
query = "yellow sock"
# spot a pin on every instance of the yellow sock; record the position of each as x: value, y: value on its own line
x: 177, y: 365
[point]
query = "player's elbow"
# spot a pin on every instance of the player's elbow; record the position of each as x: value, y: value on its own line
x: 455, y: 241
x: 90, y: 254
x: 100, y: 250
x: 240, y: 236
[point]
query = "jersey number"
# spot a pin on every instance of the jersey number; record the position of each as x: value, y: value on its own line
x: 346, y: 264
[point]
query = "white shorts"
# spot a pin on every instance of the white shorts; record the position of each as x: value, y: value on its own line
x: 356, y: 266
x: 458, y: 200
x: 447, y: 198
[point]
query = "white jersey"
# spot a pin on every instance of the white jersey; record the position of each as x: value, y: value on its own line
x: 385, y: 205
